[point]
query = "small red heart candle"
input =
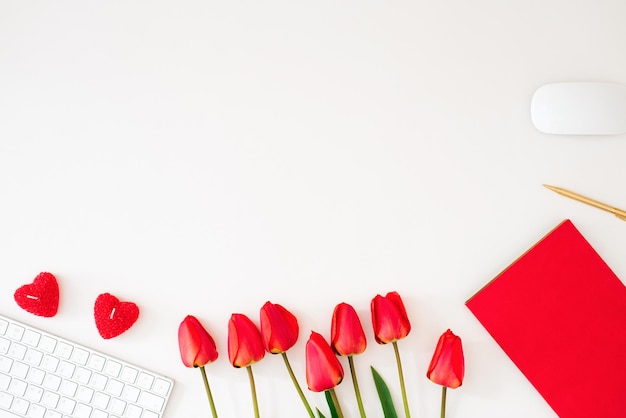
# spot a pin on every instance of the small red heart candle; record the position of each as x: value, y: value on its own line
x: 41, y: 297
x: 112, y: 316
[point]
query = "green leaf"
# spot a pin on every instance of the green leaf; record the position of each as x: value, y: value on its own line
x: 384, y: 395
x: 320, y: 415
x: 331, y: 405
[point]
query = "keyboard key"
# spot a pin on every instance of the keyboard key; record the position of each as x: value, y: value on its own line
x: 117, y: 406
x: 101, y: 400
x: 50, y: 363
x: 17, y: 387
x: 4, y: 345
x: 98, y: 381
x: 99, y: 414
x: 82, y: 375
x: 6, y: 400
x: 31, y: 338
x: 80, y: 356
x: 33, y: 357
x: 112, y: 368
x: 68, y: 388
x: 145, y: 380
x: 5, y: 364
x: 19, y: 370
x: 20, y: 406
x: 133, y: 411
x: 129, y: 374
x: 151, y: 401
x: 66, y: 369
x: 15, y: 332
x: 84, y: 394
x: 82, y: 411
x: 63, y: 350
x: 130, y: 393
x: 35, y: 376
x: 3, y: 326
x: 66, y: 405
x: 52, y: 382
x: 47, y: 344
x: 34, y: 393
x: 4, y: 381
x: 17, y: 351
x: 161, y: 387
x: 114, y: 388
x: 96, y: 362
x: 36, y: 411
x: 50, y: 399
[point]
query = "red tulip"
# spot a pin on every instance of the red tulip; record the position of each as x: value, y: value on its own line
x: 245, y: 346
x: 323, y: 369
x: 197, y: 347
x: 346, y: 332
x: 447, y: 366
x: 279, y: 328
x: 389, y: 318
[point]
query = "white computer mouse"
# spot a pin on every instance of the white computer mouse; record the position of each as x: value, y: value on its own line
x: 579, y: 108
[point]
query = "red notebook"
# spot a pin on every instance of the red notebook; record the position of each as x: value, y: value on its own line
x: 559, y: 313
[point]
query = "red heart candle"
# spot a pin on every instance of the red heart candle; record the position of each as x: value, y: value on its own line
x: 41, y: 297
x: 112, y: 316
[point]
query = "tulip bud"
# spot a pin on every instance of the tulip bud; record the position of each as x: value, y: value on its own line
x: 346, y: 333
x: 197, y: 347
x: 279, y: 328
x: 323, y: 369
x: 245, y: 346
x: 447, y: 366
x: 389, y: 318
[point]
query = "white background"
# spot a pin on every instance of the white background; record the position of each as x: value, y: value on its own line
x: 203, y: 157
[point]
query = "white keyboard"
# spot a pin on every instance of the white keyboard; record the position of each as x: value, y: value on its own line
x: 44, y: 376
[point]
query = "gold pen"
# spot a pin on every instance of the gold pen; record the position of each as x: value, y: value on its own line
x: 615, y: 211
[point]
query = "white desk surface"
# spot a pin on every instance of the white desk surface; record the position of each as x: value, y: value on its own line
x: 203, y: 157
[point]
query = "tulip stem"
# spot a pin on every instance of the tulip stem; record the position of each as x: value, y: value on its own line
x: 355, y: 383
x: 295, y: 383
x: 443, y: 401
x: 208, y: 391
x: 401, y: 376
x: 333, y: 395
x: 253, y: 391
